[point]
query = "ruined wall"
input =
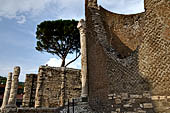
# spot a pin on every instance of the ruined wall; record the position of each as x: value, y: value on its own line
x: 29, y: 90
x: 128, y: 59
x: 32, y: 110
x: 49, y: 92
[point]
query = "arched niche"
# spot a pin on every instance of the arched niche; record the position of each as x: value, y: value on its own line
x: 123, y: 6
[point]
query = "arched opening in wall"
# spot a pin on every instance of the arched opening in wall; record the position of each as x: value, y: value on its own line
x: 123, y: 6
x: 125, y: 31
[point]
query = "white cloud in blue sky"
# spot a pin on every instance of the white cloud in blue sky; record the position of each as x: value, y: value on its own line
x: 23, y: 9
x: 16, y: 8
x: 21, y: 19
x: 18, y: 21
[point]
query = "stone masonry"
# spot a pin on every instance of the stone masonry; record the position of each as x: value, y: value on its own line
x: 39, y: 89
x: 128, y: 59
x: 128, y: 65
x: 55, y: 86
x: 14, y: 87
x: 7, y: 90
x: 29, y: 90
x: 45, y: 92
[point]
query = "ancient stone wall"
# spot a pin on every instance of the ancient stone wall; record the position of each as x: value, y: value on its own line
x: 128, y: 59
x: 29, y: 90
x: 32, y: 110
x: 50, y: 91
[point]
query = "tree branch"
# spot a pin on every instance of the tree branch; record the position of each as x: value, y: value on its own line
x: 72, y: 60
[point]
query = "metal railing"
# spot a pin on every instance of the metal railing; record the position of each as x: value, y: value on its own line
x: 71, y: 104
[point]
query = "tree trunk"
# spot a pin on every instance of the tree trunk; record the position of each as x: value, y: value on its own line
x: 63, y: 62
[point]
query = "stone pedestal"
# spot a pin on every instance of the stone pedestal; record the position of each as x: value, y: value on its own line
x: 14, y: 87
x: 7, y: 90
x: 82, y: 28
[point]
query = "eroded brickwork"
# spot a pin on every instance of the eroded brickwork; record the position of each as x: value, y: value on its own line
x: 129, y: 54
x: 29, y: 90
x: 49, y: 86
x: 32, y: 110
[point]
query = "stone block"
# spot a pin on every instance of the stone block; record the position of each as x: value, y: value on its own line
x: 132, y: 101
x: 130, y: 112
x: 124, y: 96
x: 155, y: 97
x: 162, y: 97
x: 117, y: 109
x: 127, y: 105
x: 110, y: 95
x: 148, y: 105
x: 146, y: 95
x: 110, y: 98
x: 118, y: 101
x: 113, y: 112
x: 141, y: 105
x: 135, y: 96
x: 141, y: 111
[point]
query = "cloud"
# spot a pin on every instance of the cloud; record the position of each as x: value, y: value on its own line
x: 123, y: 6
x: 10, y: 8
x: 54, y: 62
x: 57, y: 63
x: 20, y: 9
x: 21, y: 19
x: 14, y: 9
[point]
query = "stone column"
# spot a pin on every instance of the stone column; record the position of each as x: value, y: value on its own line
x: 14, y: 87
x: 27, y: 91
x: 63, y: 82
x: 39, y: 89
x: 7, y: 90
x: 82, y: 28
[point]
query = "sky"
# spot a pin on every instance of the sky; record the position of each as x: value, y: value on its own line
x: 18, y: 21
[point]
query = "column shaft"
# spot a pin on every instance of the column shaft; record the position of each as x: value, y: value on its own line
x: 14, y: 87
x: 39, y: 89
x: 82, y: 28
x: 63, y: 87
x: 7, y: 90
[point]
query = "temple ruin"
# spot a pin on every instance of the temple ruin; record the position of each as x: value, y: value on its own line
x: 51, y: 87
x: 128, y: 59
x: 125, y: 67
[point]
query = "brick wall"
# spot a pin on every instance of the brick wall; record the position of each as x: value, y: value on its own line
x: 50, y: 91
x: 29, y: 90
x: 51, y: 86
x: 31, y: 110
x: 129, y: 54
